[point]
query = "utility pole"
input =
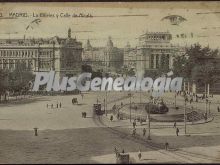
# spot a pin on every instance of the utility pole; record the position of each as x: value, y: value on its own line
x: 104, y: 106
x: 149, y: 138
x: 206, y: 108
x: 130, y: 106
x: 209, y: 107
x: 140, y: 96
x: 175, y: 100
x: 106, y: 103
x: 185, y: 116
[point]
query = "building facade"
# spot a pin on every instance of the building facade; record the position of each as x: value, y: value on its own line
x: 108, y: 58
x: 154, y: 51
x: 63, y: 55
x: 130, y: 57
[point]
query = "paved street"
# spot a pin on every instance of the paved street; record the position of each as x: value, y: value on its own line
x: 66, y: 137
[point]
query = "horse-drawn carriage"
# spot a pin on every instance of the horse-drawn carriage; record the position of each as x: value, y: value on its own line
x: 74, y: 101
x: 83, y: 114
x: 97, y: 109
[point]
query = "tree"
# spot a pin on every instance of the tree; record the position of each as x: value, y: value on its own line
x: 3, y: 82
x: 196, y: 65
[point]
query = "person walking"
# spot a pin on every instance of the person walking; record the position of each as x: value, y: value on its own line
x: 116, y: 152
x: 144, y: 131
x: 60, y: 104
x: 174, y: 125
x: 218, y: 109
x: 82, y: 96
x: 111, y: 118
x: 134, y: 132
x: 139, y: 154
x: 177, y: 131
x: 166, y: 146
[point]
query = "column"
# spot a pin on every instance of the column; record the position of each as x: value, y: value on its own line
x: 154, y: 60
x: 194, y: 87
x: 8, y: 63
x: 208, y: 89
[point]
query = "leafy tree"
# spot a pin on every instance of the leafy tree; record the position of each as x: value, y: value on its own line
x: 196, y: 65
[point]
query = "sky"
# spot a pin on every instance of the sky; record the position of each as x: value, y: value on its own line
x: 202, y: 19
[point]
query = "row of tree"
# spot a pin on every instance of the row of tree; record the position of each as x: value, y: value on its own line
x: 16, y: 82
x: 197, y: 65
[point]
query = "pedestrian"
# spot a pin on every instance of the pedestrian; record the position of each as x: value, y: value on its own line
x: 134, y: 124
x: 134, y: 132
x: 166, y: 146
x: 116, y: 152
x: 60, y: 104
x: 141, y: 121
x: 111, y: 118
x: 139, y: 154
x: 57, y: 105
x: 177, y: 131
x: 174, y: 125
x: 218, y: 109
x: 144, y: 131
x: 82, y: 96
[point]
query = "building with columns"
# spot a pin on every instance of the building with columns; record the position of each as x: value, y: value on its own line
x: 154, y: 51
x: 63, y: 55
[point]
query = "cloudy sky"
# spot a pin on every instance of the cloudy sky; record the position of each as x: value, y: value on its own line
x: 202, y: 19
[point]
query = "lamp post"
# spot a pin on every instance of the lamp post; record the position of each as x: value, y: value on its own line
x: 106, y: 103
x: 104, y: 106
x: 175, y: 100
x: 185, y: 116
x: 209, y: 107
x: 206, y: 109
x: 149, y: 110
x: 130, y: 106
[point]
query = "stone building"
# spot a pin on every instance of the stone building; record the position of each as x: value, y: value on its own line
x: 109, y: 58
x: 130, y: 56
x: 113, y: 56
x: 63, y: 55
x: 154, y: 51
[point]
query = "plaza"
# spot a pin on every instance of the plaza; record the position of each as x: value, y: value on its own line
x: 65, y: 137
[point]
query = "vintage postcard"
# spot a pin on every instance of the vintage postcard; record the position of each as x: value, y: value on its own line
x: 113, y: 82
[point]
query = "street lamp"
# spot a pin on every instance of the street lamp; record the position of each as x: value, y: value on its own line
x: 130, y: 106
x: 106, y: 103
x: 175, y: 100
x: 149, y: 138
x: 206, y: 109
x: 209, y: 107
x: 149, y: 110
x: 185, y: 115
x: 104, y: 106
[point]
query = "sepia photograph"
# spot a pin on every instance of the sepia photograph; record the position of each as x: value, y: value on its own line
x: 110, y: 82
